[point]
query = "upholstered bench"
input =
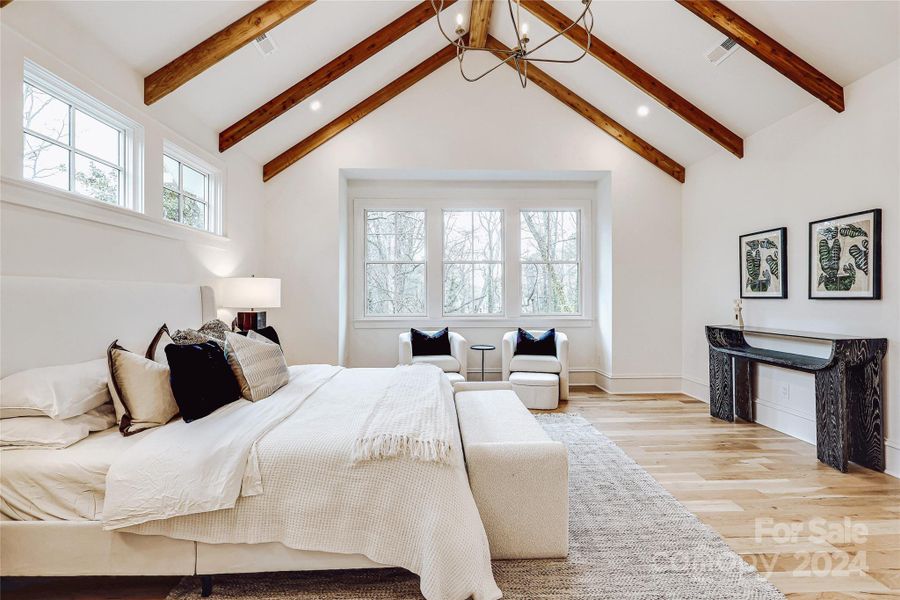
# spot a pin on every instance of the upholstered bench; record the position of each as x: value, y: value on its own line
x: 519, y: 476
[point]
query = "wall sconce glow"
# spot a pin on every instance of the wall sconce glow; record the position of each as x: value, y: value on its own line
x: 643, y: 111
x: 315, y: 105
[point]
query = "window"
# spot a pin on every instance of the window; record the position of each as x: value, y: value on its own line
x: 185, y: 194
x: 395, y: 262
x: 550, y: 255
x: 73, y: 142
x: 473, y: 262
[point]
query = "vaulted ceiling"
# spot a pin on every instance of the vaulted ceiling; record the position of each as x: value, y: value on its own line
x: 843, y: 39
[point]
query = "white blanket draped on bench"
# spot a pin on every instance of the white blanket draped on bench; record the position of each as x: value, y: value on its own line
x: 302, y: 488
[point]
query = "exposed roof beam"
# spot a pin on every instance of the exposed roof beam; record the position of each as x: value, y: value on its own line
x: 298, y: 151
x: 4, y: 3
x: 638, y: 77
x: 329, y: 72
x: 219, y: 45
x: 597, y: 117
x: 479, y: 22
x: 768, y: 50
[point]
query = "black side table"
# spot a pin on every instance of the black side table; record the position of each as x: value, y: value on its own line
x: 483, y: 348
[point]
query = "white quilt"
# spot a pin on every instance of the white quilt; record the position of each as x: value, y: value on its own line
x: 304, y: 490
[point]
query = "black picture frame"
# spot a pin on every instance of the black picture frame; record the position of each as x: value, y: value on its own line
x: 873, y: 254
x: 782, y: 263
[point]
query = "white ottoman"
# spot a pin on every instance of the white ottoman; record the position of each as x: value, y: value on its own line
x: 536, y: 390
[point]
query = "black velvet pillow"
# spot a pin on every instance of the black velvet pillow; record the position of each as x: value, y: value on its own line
x: 267, y: 332
x: 201, y: 379
x: 424, y: 344
x: 544, y: 344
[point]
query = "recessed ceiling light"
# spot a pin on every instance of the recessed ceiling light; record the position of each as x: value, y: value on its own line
x: 643, y: 111
x: 315, y: 105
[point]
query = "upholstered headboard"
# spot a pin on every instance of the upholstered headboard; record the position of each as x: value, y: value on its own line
x: 49, y: 321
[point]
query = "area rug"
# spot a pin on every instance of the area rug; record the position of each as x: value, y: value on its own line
x: 629, y: 539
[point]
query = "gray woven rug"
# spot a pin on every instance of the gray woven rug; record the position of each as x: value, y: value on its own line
x: 629, y: 539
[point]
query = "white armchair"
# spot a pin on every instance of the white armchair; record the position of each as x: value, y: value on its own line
x: 455, y: 364
x: 528, y: 373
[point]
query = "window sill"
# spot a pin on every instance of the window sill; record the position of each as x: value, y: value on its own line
x: 562, y: 322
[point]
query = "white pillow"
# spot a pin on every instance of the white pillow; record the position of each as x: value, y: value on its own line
x: 259, y: 366
x: 44, y: 432
x: 59, y: 392
x: 140, y: 389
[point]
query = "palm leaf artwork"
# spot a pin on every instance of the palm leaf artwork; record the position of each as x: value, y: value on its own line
x: 753, y: 264
x: 753, y: 244
x: 762, y: 285
x: 829, y: 233
x: 767, y: 244
x: 861, y: 256
x: 772, y: 261
x: 850, y: 230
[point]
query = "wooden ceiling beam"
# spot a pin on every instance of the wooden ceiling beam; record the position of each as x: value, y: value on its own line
x: 219, y: 45
x: 326, y: 74
x: 404, y: 82
x: 479, y: 22
x: 639, y: 78
x: 596, y: 116
x: 758, y: 43
x: 4, y: 3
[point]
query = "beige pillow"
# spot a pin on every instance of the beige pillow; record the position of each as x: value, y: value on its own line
x: 259, y: 367
x: 140, y: 390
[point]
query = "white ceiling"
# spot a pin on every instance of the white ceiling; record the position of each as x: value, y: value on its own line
x: 844, y: 39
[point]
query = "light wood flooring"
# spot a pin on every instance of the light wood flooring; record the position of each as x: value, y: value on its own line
x: 815, y: 532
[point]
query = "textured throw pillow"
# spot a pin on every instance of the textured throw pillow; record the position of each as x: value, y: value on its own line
x: 156, y: 349
x: 59, y: 392
x: 202, y: 381
x: 140, y: 390
x: 44, y: 432
x: 430, y: 344
x: 544, y: 344
x: 215, y: 329
x: 266, y: 332
x: 258, y: 365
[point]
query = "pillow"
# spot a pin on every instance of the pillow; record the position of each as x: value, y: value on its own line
x: 266, y: 332
x: 140, y: 390
x: 58, y: 392
x: 544, y: 344
x: 424, y: 344
x: 201, y: 379
x: 156, y: 349
x: 215, y: 329
x: 44, y: 432
x: 258, y: 364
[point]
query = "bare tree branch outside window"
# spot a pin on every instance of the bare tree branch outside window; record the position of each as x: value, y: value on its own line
x: 550, y: 254
x: 473, y: 262
x: 395, y: 262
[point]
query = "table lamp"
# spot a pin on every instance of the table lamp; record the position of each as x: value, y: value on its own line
x: 253, y: 293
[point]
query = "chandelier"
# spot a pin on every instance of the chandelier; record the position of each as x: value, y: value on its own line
x: 521, y: 54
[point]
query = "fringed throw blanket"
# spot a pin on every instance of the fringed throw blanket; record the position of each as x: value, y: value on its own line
x: 415, y: 418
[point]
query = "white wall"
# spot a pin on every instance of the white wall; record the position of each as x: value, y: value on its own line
x: 38, y: 240
x: 443, y: 123
x: 814, y: 164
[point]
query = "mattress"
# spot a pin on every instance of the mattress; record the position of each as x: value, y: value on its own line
x: 66, y: 484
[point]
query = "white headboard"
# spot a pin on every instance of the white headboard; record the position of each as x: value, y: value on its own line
x: 48, y: 321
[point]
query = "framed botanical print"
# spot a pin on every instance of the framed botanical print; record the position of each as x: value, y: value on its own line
x: 845, y: 257
x: 763, y: 260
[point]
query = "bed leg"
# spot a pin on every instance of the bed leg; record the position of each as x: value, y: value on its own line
x: 206, y: 582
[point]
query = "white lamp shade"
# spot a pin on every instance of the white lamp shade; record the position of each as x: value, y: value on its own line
x: 251, y: 292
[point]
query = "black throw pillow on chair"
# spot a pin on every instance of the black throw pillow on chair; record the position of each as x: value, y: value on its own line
x: 202, y: 381
x: 544, y: 344
x: 424, y: 344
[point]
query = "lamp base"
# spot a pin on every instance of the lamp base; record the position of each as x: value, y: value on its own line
x: 251, y: 320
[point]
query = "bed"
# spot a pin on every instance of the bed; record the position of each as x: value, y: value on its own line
x: 40, y: 527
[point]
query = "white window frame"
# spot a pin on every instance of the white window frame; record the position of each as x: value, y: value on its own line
x: 214, y: 192
x: 501, y: 262
x: 367, y: 262
x: 577, y: 262
x: 434, y: 206
x: 131, y: 142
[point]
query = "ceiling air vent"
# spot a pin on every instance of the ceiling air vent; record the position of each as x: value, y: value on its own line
x: 265, y: 44
x: 718, y: 53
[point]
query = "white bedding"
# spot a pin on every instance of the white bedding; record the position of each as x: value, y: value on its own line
x: 414, y: 514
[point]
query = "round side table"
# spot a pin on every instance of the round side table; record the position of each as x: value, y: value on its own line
x: 483, y: 348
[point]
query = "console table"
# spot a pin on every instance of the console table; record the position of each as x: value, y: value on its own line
x: 848, y: 388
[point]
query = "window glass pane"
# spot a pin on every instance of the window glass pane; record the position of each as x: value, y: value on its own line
x: 170, y: 172
x: 395, y: 289
x: 45, y: 162
x: 96, y: 180
x: 194, y: 213
x: 96, y: 138
x: 193, y: 182
x: 488, y: 235
x: 550, y: 288
x: 534, y: 235
x: 395, y: 235
x: 473, y: 289
x: 45, y: 114
x: 473, y: 235
x: 457, y: 235
x: 563, y: 235
x: 170, y: 205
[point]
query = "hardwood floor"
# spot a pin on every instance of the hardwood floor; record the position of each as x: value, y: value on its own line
x: 815, y: 532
